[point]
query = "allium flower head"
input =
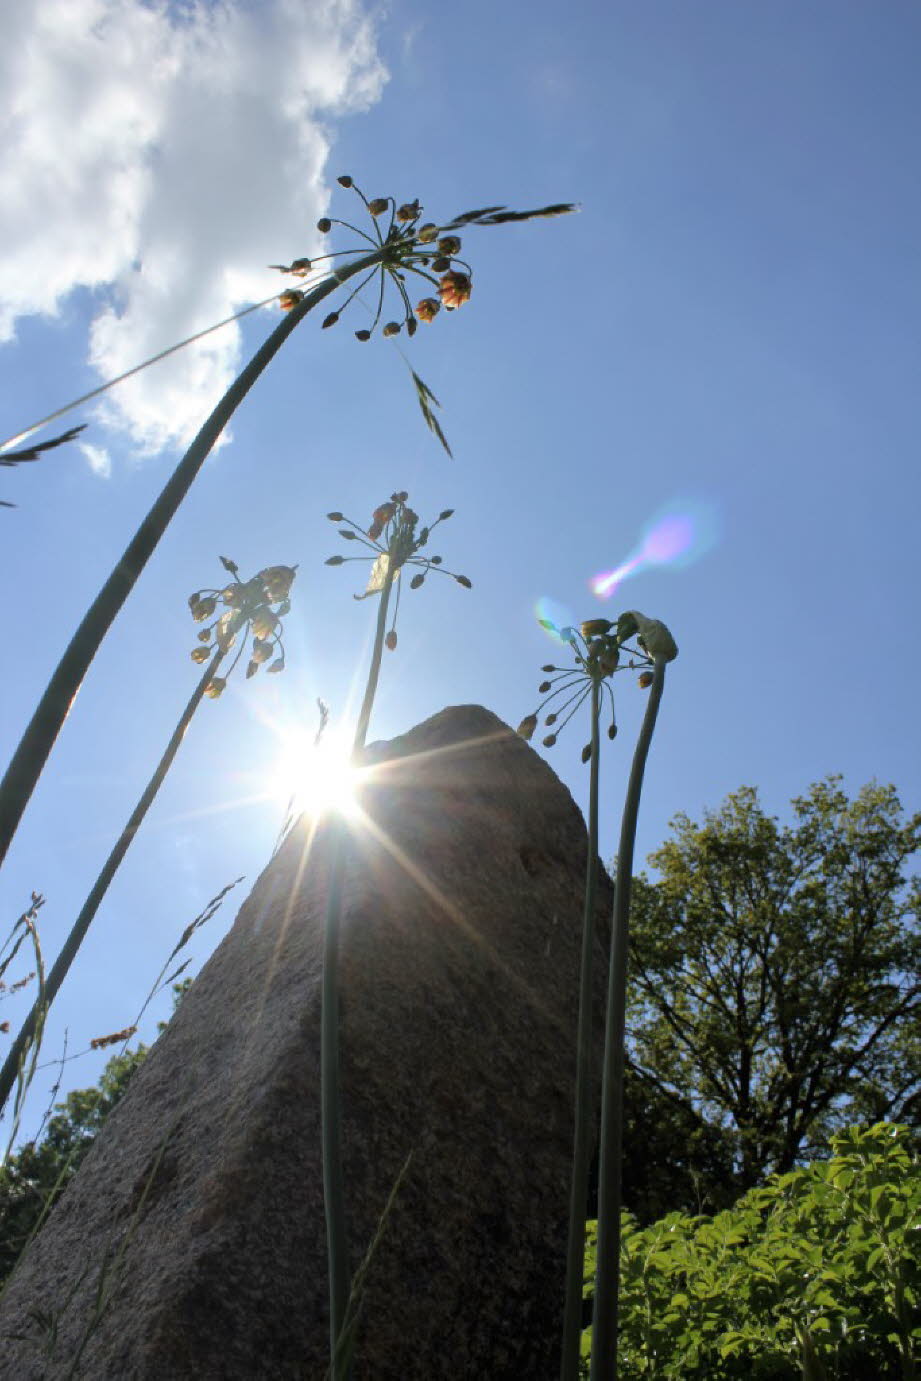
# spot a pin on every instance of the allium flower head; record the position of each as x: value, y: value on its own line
x: 253, y: 606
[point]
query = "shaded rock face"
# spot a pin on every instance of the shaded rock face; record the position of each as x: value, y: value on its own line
x: 192, y: 1243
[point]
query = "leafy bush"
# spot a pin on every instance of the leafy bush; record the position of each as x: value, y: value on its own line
x: 817, y: 1274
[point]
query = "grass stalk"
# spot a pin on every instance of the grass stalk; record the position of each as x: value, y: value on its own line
x: 581, y: 1156
x: 330, y: 1091
x: 30, y: 757
x: 607, y: 1277
x: 61, y: 966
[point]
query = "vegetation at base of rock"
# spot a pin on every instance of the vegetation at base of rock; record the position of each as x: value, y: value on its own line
x: 816, y: 1274
x: 776, y: 971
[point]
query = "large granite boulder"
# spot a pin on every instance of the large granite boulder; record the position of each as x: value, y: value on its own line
x: 191, y: 1244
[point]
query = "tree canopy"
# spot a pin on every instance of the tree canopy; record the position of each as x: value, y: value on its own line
x: 775, y: 985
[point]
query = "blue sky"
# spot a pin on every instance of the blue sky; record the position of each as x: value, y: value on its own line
x: 732, y: 321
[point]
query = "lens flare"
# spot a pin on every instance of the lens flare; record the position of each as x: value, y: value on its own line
x: 679, y: 534
x: 551, y: 611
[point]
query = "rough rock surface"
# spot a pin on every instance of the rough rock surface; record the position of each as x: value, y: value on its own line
x: 191, y: 1243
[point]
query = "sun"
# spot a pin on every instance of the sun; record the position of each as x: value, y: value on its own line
x: 318, y: 777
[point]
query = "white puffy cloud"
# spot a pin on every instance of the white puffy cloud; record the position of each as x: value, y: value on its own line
x: 98, y: 459
x: 162, y: 155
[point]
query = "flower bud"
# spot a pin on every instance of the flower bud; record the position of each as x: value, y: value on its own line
x: 416, y: 582
x: 551, y: 719
x: 462, y: 580
x: 449, y: 244
x: 408, y: 211
x: 251, y: 668
x: 301, y: 267
x: 427, y: 233
x: 289, y: 298
x: 454, y: 289
x: 549, y: 667
x: 392, y: 328
x: 277, y: 581
x: 203, y: 609
x: 527, y: 726
x: 391, y: 639
x: 205, y: 635
x: 428, y: 309
x: 193, y: 599
x: 263, y: 622
x: 262, y: 650
x: 401, y: 497
x: 612, y: 731
x: 445, y: 513
x: 330, y: 320
x: 549, y: 741
x: 347, y: 534
x: 362, y: 335
x: 543, y: 688
x: 378, y: 205
x: 435, y: 560
x: 645, y: 680
x: 586, y: 752
x: 336, y: 517
x: 324, y: 225
x: 656, y: 638
x: 215, y: 686
x: 412, y: 325
x: 344, y: 180
x: 200, y: 654
x: 232, y: 595
x: 277, y: 665
x: 334, y: 560
x: 593, y: 628
x: 441, y: 263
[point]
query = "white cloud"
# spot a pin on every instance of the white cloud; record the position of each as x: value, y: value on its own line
x: 163, y: 155
x: 99, y: 459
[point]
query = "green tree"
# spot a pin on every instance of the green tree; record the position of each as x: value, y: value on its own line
x: 34, y: 1177
x: 775, y: 971
x: 41, y: 1170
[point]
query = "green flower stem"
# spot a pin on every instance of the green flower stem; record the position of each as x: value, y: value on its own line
x: 59, y: 969
x: 581, y: 1155
x: 607, y: 1277
x: 364, y: 717
x: 30, y: 757
x: 330, y: 1092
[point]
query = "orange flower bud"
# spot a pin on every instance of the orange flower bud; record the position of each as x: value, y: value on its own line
x: 289, y: 298
x: 392, y: 328
x: 428, y: 309
x: 454, y: 290
x: 301, y: 267
x: 645, y: 680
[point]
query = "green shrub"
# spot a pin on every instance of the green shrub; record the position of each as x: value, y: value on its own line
x: 817, y: 1274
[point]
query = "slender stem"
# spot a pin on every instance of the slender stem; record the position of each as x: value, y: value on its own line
x: 581, y: 1155
x: 29, y: 759
x: 331, y: 1101
x: 330, y: 1092
x: 81, y: 925
x: 607, y: 1277
x: 364, y: 716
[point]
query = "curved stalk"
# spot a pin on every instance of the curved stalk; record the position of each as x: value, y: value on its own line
x: 81, y: 925
x: 607, y: 1276
x: 330, y: 1092
x: 30, y: 757
x: 581, y: 1155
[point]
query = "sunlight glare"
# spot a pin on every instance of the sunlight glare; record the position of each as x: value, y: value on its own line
x: 319, y: 777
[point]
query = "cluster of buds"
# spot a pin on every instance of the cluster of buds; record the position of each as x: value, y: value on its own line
x: 392, y: 541
x: 405, y: 244
x: 405, y: 247
x: 254, y: 606
x: 597, y: 646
